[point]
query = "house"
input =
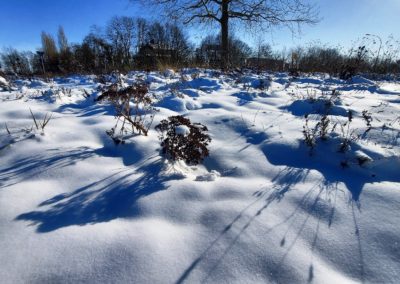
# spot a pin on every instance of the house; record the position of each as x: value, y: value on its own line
x: 151, y: 54
x: 212, y: 54
x: 266, y: 64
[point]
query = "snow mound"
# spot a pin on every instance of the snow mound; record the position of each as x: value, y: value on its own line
x: 37, y: 83
x: 211, y: 176
x: 3, y: 82
x: 153, y: 78
x: 361, y: 80
x: 207, y: 84
x: 182, y: 130
x: 169, y: 73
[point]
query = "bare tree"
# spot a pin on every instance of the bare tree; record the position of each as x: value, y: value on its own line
x: 267, y: 13
x: 16, y: 62
x: 62, y: 40
x: 120, y: 31
x: 141, y: 27
x: 209, y: 55
x: 65, y: 54
x: 50, y: 51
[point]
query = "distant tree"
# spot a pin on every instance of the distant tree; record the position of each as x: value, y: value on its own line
x: 169, y: 38
x: 50, y: 52
x: 178, y: 42
x: 316, y: 58
x: 62, y: 40
x: 157, y: 35
x: 85, y: 57
x: 209, y: 52
x: 238, y: 51
x: 16, y: 62
x: 65, y: 54
x: 141, y: 30
x: 265, y: 51
x: 121, y: 31
x: 266, y: 13
x: 101, y: 52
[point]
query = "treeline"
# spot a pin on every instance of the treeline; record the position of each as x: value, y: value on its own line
x: 113, y: 47
x: 369, y: 55
x: 127, y: 43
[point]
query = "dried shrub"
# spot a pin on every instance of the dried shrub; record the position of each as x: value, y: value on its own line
x: 182, y: 140
x: 324, y: 127
x: 367, y: 116
x: 320, y: 130
x: 294, y: 72
x: 133, y: 106
x: 39, y: 124
x: 347, y: 72
x: 310, y: 135
x: 354, y: 63
x: 347, y: 133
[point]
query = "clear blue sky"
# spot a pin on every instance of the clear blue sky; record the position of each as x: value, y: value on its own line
x: 22, y: 21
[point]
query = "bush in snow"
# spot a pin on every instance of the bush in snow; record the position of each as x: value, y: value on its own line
x: 348, y: 134
x: 310, y: 135
x: 133, y: 106
x: 39, y: 124
x: 182, y: 140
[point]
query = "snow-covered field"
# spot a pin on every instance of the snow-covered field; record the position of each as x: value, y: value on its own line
x: 262, y: 208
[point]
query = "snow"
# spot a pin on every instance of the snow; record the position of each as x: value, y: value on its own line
x: 212, y: 176
x: 3, y: 82
x: 262, y: 208
x: 182, y: 130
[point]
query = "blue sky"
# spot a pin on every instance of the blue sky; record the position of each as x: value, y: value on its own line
x: 343, y: 21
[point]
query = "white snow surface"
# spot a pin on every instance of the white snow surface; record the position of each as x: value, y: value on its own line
x: 3, y: 82
x: 182, y: 130
x: 262, y: 208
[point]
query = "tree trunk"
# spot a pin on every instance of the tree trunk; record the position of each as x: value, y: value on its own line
x: 224, y: 35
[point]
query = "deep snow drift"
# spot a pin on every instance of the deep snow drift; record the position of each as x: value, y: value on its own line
x: 262, y: 208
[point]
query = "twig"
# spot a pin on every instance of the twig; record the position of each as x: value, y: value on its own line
x: 8, y: 130
x: 34, y: 119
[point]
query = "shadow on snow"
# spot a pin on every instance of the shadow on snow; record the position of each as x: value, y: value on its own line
x: 114, y: 196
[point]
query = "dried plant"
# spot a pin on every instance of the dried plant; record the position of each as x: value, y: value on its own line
x: 347, y: 133
x: 323, y: 126
x: 310, y: 135
x: 367, y: 116
x: 8, y: 130
x: 133, y: 106
x: 40, y: 125
x: 182, y: 140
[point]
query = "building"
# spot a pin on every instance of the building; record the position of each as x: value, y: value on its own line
x: 266, y: 64
x: 150, y: 55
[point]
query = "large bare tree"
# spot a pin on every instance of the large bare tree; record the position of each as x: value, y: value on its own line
x: 260, y: 13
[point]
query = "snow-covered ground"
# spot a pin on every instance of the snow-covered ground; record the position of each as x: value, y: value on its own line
x: 262, y: 208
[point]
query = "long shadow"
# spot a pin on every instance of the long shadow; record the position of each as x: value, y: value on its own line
x: 354, y: 177
x: 360, y: 249
x: 284, y: 182
x: 303, y: 107
x: 28, y: 167
x: 211, y: 258
x: 51, y: 159
x: 113, y: 197
x: 86, y: 108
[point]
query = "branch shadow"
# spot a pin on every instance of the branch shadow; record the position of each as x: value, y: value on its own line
x: 354, y: 178
x: 56, y: 158
x: 50, y: 159
x: 210, y: 259
x: 113, y: 197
